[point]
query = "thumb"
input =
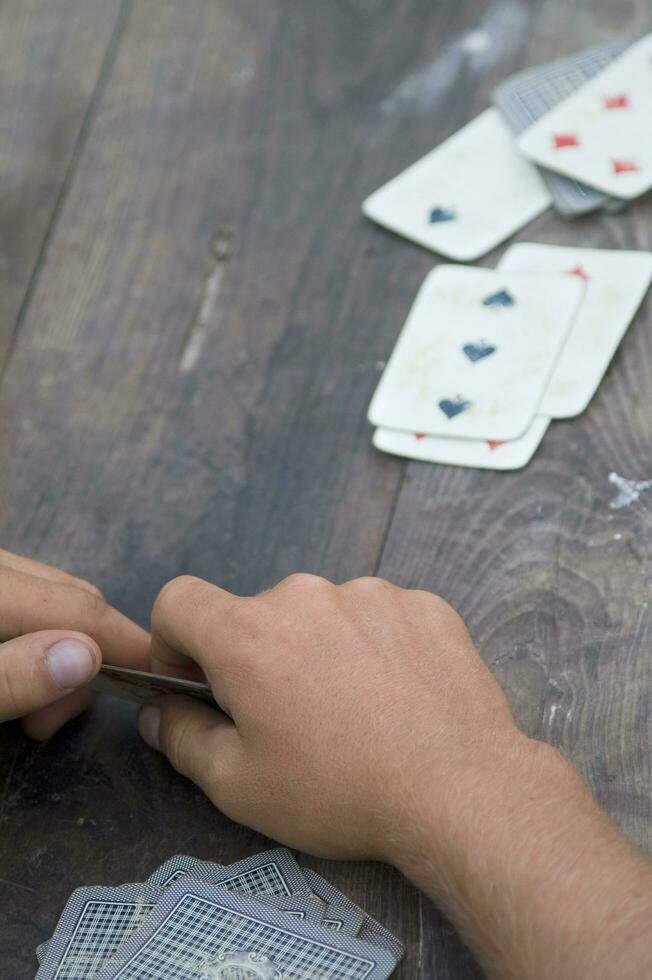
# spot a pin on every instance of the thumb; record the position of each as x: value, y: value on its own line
x: 40, y: 668
x: 197, y: 740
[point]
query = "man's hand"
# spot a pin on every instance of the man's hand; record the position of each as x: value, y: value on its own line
x: 341, y: 699
x: 54, y: 631
x: 360, y: 721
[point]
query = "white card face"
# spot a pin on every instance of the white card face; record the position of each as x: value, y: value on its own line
x: 602, y: 134
x: 483, y: 454
x: 466, y: 196
x: 616, y: 283
x: 476, y: 353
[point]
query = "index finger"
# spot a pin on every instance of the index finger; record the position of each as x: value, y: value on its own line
x: 185, y: 622
x: 29, y: 604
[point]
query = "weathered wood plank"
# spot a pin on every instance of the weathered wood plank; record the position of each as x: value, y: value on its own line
x: 141, y: 459
x: 51, y: 56
x: 553, y: 582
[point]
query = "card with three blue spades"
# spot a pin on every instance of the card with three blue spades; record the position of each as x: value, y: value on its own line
x: 476, y: 353
x: 466, y: 196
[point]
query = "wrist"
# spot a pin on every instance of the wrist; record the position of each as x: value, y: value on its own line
x: 448, y: 817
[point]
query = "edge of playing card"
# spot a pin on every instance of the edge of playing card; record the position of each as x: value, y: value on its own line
x: 64, y: 933
x: 381, y: 961
x: 634, y: 309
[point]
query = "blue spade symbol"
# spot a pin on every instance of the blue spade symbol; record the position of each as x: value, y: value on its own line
x: 454, y: 406
x: 502, y: 298
x: 437, y: 215
x: 475, y: 352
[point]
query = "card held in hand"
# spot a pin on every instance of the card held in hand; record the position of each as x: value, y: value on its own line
x: 140, y: 685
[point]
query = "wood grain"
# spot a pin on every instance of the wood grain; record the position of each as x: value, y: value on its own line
x: 187, y: 393
x: 51, y: 59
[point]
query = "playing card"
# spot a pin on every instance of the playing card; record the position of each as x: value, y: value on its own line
x: 476, y: 353
x: 92, y: 926
x: 307, y: 908
x: 368, y: 928
x: 482, y: 454
x: 616, y: 282
x: 139, y: 685
x: 527, y: 96
x: 342, y: 914
x: 602, y: 133
x: 197, y: 932
x: 174, y: 868
x: 273, y: 872
x: 97, y: 920
x: 466, y: 196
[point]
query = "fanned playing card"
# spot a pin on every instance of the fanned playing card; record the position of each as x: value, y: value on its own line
x: 526, y: 97
x: 368, y: 929
x: 93, y: 925
x: 199, y: 932
x: 602, y: 134
x: 486, y: 454
x: 96, y: 921
x: 342, y: 914
x: 466, y: 196
x: 476, y: 353
x: 615, y: 285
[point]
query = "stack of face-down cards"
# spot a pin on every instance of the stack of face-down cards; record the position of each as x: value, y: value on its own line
x: 263, y: 918
x: 488, y: 357
x: 576, y: 134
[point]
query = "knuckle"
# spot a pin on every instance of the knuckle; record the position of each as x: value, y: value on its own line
x: 175, y: 742
x: 174, y: 591
x: 93, y: 606
x: 307, y: 582
x: 372, y: 583
x: 81, y: 583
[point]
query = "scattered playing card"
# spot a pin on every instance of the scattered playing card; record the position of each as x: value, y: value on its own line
x: 616, y: 282
x: 601, y: 134
x: 198, y: 931
x: 526, y: 97
x: 139, y: 685
x: 482, y: 454
x: 466, y: 196
x: 476, y: 353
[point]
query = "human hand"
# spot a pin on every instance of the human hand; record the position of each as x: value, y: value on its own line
x: 54, y: 631
x: 342, y: 701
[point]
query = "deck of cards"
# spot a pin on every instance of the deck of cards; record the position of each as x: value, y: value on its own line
x: 487, y: 357
x: 576, y: 134
x: 263, y: 918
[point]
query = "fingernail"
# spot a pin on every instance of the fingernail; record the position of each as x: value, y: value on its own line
x: 71, y: 664
x: 149, y: 722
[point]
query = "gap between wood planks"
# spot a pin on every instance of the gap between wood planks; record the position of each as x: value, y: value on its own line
x: 221, y: 251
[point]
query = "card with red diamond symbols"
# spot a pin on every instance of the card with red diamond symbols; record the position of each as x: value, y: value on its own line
x: 476, y: 353
x: 602, y: 134
x: 616, y: 283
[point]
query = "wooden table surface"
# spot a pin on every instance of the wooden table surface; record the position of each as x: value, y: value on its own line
x: 194, y: 316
